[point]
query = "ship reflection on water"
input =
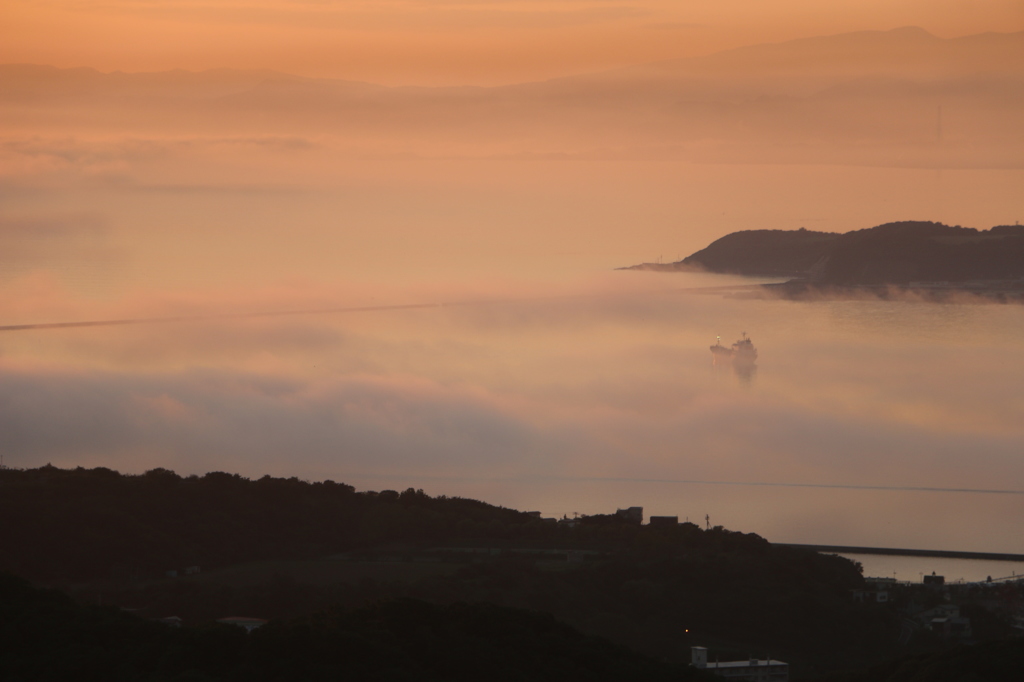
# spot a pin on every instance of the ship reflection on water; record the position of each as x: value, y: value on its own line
x: 741, y: 357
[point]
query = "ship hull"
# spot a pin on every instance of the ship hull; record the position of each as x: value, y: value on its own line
x: 741, y: 353
x: 721, y: 355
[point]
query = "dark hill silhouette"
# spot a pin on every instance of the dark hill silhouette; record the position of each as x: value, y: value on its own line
x: 100, y: 523
x: 777, y: 253
x: 901, y: 253
x: 907, y: 252
x: 44, y: 635
x: 996, y: 660
x: 282, y: 548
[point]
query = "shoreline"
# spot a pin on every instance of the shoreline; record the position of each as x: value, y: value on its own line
x: 896, y: 551
x: 998, y: 292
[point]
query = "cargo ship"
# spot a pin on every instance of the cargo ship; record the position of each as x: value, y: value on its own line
x: 741, y: 353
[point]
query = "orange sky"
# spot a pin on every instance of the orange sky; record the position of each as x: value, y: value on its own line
x: 149, y: 197
x: 445, y: 41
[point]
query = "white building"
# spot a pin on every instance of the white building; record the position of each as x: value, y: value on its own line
x: 249, y: 624
x: 752, y: 670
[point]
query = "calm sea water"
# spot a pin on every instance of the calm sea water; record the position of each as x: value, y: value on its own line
x: 566, y: 387
x: 913, y: 569
x: 865, y: 423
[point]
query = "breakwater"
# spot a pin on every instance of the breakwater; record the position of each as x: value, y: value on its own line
x: 897, y: 551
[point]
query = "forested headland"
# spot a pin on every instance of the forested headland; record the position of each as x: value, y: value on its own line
x: 202, y: 548
x: 923, y: 255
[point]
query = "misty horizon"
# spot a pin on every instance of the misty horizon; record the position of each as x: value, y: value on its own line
x: 505, y: 339
x: 208, y: 263
x: 636, y: 68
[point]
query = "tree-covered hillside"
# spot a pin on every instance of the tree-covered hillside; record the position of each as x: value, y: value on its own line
x: 44, y: 635
x: 899, y: 253
x: 277, y: 548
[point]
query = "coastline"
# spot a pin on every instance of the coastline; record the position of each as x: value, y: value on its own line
x: 979, y: 292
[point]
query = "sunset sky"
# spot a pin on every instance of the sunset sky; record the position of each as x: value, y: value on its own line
x: 446, y: 41
x: 143, y: 194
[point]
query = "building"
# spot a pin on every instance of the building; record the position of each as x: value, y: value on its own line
x: 632, y: 514
x: 879, y: 583
x: 751, y: 670
x: 951, y: 627
x: 945, y: 621
x: 870, y: 596
x: 249, y: 624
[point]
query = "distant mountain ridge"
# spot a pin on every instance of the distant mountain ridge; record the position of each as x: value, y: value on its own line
x: 901, y: 98
x: 900, y: 50
x: 900, y: 253
x: 32, y: 81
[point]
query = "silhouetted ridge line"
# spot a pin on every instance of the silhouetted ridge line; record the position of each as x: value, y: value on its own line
x: 767, y: 484
x: 397, y: 639
x: 911, y: 254
x: 834, y: 486
x: 898, y: 551
x: 280, y: 549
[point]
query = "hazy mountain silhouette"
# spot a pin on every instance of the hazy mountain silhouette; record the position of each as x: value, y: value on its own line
x: 37, y: 82
x: 901, y: 97
x: 904, y: 52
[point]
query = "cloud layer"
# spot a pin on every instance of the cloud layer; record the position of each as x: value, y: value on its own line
x: 443, y: 41
x: 560, y: 405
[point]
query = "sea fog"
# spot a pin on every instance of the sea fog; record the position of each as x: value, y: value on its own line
x: 870, y: 423
x: 913, y: 569
x: 531, y: 373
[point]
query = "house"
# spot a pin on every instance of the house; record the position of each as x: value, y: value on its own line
x: 632, y: 514
x: 951, y: 627
x: 870, y: 596
x: 249, y: 624
x: 751, y: 670
x: 945, y: 620
x: 879, y: 583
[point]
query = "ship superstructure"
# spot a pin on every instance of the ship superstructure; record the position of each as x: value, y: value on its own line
x: 741, y: 352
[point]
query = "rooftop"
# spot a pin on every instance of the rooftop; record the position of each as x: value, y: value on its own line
x: 752, y: 663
